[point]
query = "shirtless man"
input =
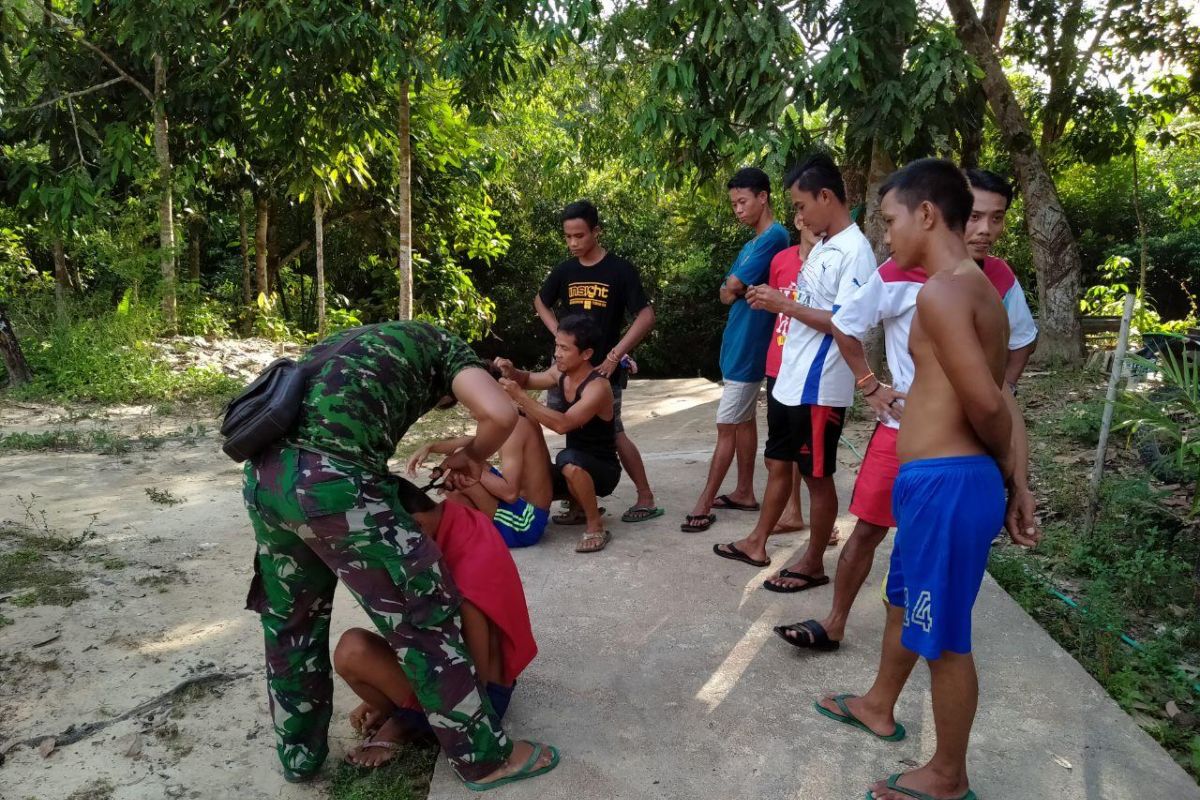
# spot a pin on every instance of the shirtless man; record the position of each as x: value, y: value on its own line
x: 517, y: 496
x: 956, y: 456
x: 587, y: 467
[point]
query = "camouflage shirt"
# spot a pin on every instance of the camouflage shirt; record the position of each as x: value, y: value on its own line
x: 363, y: 400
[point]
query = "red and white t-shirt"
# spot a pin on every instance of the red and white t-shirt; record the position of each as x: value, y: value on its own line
x: 785, y: 268
x: 812, y: 370
x: 890, y: 298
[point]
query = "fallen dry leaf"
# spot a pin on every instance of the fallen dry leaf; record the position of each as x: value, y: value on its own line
x: 131, y: 745
x: 46, y: 747
x: 1062, y: 762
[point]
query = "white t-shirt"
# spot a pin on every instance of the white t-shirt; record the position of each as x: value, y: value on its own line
x: 812, y: 371
x: 890, y: 297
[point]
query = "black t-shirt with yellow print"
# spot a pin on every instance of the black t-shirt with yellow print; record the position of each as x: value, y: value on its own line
x: 607, y: 291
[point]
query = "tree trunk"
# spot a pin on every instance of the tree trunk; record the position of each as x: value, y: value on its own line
x: 1144, y: 256
x: 60, y: 273
x: 262, y: 210
x: 873, y: 224
x: 995, y: 16
x: 166, y: 222
x: 195, y: 249
x: 273, y: 259
x: 247, y: 273
x: 874, y: 227
x: 404, y: 234
x: 319, y: 249
x: 1055, y: 252
x: 10, y: 352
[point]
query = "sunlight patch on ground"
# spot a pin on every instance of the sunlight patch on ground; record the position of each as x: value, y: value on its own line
x: 726, y: 676
x: 188, y: 635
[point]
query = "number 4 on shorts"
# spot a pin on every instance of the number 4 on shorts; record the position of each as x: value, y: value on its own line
x: 920, y: 614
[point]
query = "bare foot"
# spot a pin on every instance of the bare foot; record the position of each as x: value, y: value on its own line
x: 881, y: 722
x: 926, y: 781
x: 380, y: 748
x: 365, y: 719
x: 789, y: 525
x: 520, y: 754
x: 835, y: 538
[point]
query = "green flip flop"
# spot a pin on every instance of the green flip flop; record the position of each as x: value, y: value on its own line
x: 847, y: 718
x: 523, y: 773
x: 893, y: 785
x: 642, y: 513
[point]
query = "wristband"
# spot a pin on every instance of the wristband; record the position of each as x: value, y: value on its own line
x: 873, y: 391
x: 859, y: 383
x: 612, y: 358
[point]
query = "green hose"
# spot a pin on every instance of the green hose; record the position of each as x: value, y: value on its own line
x: 1125, y: 637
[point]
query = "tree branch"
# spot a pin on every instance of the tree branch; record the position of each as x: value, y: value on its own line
x: 66, y: 25
x: 75, y: 733
x: 75, y: 128
x: 304, y: 244
x: 67, y: 96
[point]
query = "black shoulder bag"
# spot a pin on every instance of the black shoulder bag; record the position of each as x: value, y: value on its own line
x: 267, y: 409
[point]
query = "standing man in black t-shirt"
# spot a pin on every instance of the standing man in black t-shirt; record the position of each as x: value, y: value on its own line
x: 604, y: 287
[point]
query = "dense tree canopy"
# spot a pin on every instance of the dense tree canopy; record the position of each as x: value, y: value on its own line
x: 288, y: 167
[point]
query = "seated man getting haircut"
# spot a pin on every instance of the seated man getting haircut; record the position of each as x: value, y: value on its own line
x: 518, y: 495
x: 495, y: 625
x: 587, y: 467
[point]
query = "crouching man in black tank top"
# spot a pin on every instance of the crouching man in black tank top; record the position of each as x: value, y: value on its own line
x: 588, y: 467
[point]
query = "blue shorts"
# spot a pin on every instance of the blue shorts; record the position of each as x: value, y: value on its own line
x: 520, y: 523
x: 948, y: 511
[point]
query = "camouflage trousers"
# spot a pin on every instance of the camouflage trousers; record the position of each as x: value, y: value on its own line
x: 318, y: 520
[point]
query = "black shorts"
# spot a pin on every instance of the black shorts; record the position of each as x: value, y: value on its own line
x: 807, y: 435
x: 605, y: 474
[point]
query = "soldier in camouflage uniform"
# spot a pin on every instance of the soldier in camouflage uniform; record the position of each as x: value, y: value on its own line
x: 324, y: 507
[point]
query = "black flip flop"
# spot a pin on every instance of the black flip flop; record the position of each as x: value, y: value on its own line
x: 733, y: 554
x: 818, y: 638
x: 724, y: 502
x: 810, y: 582
x: 698, y: 522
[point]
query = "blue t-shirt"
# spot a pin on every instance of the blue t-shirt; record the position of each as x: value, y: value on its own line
x: 748, y: 332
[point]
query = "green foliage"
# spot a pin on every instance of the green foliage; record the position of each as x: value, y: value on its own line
x: 1130, y: 588
x: 1171, y: 418
x: 107, y: 358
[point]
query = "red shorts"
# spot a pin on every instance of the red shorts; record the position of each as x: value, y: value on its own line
x: 872, y: 498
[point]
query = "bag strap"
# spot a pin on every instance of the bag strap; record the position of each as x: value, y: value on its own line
x: 310, y: 368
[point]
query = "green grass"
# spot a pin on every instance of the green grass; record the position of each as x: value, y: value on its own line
x: 30, y: 556
x: 1133, y: 575
x: 406, y: 777
x: 93, y: 441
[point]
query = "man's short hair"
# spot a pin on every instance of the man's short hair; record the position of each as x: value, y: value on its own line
x: 988, y: 181
x: 412, y: 498
x: 583, y: 329
x: 815, y: 173
x: 937, y: 181
x: 751, y: 178
x: 581, y: 209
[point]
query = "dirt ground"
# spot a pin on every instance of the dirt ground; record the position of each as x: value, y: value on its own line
x: 153, y: 531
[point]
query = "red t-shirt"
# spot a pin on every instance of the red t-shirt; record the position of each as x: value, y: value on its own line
x: 479, y: 563
x: 785, y: 268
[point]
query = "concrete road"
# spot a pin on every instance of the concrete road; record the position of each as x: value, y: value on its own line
x: 659, y: 676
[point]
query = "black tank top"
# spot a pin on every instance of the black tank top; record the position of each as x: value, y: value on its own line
x: 598, y: 437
